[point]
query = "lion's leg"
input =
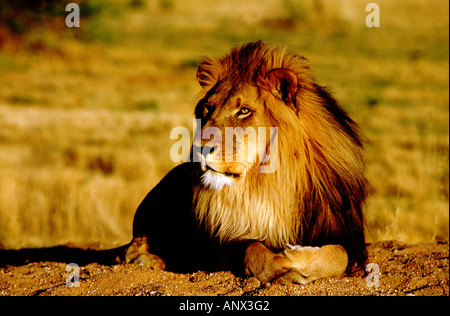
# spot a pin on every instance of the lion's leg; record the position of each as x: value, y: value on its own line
x: 295, y: 264
x: 138, y: 253
x: 312, y: 263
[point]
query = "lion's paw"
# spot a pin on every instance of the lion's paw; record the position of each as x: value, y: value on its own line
x: 149, y: 261
x: 138, y: 253
x: 263, y: 264
x: 313, y: 263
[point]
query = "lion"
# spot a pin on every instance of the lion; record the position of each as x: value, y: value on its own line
x: 297, y: 221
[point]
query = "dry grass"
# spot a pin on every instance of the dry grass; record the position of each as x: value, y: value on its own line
x: 85, y: 115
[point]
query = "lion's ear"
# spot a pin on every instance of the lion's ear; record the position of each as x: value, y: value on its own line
x: 283, y: 84
x: 207, y: 74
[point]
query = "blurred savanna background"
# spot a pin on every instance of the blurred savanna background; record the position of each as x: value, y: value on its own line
x: 86, y: 113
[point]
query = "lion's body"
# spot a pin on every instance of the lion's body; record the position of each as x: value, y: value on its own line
x: 210, y: 211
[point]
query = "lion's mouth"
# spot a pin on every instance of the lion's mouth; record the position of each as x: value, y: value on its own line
x: 216, y: 180
x: 227, y: 174
x: 205, y: 166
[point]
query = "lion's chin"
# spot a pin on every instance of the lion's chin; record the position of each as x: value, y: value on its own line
x: 216, y: 180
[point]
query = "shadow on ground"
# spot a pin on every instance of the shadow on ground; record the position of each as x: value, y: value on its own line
x: 63, y: 253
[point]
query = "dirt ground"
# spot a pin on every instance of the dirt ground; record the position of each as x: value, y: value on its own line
x: 421, y: 269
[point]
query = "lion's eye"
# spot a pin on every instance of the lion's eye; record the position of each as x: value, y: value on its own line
x: 243, y: 112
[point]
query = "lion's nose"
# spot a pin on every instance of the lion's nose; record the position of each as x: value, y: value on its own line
x: 202, y: 153
x: 206, y: 150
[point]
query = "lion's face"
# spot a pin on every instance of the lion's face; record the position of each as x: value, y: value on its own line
x: 238, y: 117
x: 235, y: 132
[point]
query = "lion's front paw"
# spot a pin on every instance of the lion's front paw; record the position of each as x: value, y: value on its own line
x: 149, y: 261
x: 263, y: 264
x: 138, y: 253
x: 312, y: 263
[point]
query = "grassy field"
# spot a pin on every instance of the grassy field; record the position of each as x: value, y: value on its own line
x: 86, y: 113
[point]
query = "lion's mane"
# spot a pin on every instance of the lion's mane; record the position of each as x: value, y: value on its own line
x: 317, y: 194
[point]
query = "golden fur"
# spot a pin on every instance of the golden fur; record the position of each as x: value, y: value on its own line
x: 316, y: 194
